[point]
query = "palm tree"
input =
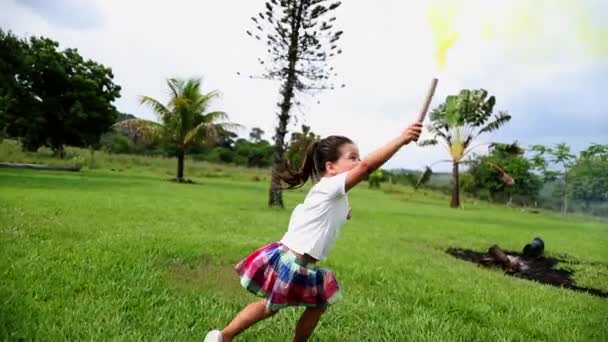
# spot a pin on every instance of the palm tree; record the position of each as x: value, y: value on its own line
x: 561, y: 156
x: 460, y: 120
x: 184, y: 120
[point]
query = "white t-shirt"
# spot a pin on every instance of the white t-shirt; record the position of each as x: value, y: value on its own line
x: 314, y: 224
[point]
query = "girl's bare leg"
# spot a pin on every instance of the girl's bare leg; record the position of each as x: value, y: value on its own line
x: 307, y: 323
x: 249, y: 316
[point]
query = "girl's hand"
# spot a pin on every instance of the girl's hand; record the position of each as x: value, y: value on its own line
x: 412, y: 133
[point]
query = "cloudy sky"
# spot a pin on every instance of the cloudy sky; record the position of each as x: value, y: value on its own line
x: 547, y: 64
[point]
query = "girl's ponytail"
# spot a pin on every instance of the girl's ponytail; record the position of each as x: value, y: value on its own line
x: 296, y: 179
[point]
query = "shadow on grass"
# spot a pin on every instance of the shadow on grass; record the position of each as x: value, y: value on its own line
x: 205, y: 275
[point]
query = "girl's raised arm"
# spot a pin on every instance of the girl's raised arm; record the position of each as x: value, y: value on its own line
x: 381, y: 155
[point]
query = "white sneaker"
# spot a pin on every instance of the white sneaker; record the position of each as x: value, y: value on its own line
x: 213, y: 336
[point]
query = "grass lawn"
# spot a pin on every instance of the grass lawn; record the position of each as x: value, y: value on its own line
x: 101, y: 255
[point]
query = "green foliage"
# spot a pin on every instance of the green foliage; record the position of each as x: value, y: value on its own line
x: 140, y: 131
x: 486, y: 179
x: 257, y: 153
x: 52, y: 98
x: 541, y: 163
x: 256, y: 134
x: 184, y: 121
x: 150, y: 163
x: 458, y: 121
x: 546, y: 159
x: 145, y: 137
x: 300, y: 39
x: 117, y: 143
x: 403, y: 177
x: 221, y: 155
x: 375, y: 178
x: 589, y: 176
x: 186, y: 117
x: 562, y: 156
x: 463, y: 117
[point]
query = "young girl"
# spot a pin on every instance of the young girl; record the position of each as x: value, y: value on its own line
x: 284, y: 272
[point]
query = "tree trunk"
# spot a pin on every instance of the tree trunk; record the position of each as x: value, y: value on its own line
x: 180, y: 165
x: 565, y: 199
x: 59, y: 152
x: 275, y: 194
x: 92, y: 158
x: 455, y: 203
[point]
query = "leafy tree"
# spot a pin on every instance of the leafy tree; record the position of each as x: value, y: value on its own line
x: 253, y: 154
x: 488, y: 175
x: 226, y: 138
x: 457, y: 122
x: 589, y: 175
x: 114, y: 142
x: 256, y: 134
x: 541, y: 164
x: 300, y: 40
x: 560, y: 157
x: 53, y: 97
x: 185, y: 119
x: 12, y: 67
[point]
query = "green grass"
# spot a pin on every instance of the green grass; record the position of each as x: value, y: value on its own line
x: 102, y: 255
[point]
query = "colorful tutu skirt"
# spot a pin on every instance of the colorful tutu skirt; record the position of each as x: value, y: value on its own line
x: 284, y: 279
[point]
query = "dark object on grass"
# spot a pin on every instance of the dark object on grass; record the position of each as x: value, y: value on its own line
x: 42, y: 167
x: 498, y: 255
x: 535, y: 248
x: 547, y: 270
x: 509, y: 263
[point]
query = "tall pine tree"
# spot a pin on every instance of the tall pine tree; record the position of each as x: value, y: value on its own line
x: 301, y: 40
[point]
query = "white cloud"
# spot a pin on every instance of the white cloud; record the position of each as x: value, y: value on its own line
x: 66, y: 13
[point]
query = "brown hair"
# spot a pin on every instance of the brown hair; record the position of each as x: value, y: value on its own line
x: 318, y: 154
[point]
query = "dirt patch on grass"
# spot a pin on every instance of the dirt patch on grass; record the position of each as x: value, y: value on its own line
x: 205, y: 275
x: 541, y: 269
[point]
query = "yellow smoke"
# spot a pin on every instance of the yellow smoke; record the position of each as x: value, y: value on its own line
x: 442, y: 16
x: 591, y: 33
x: 520, y: 23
